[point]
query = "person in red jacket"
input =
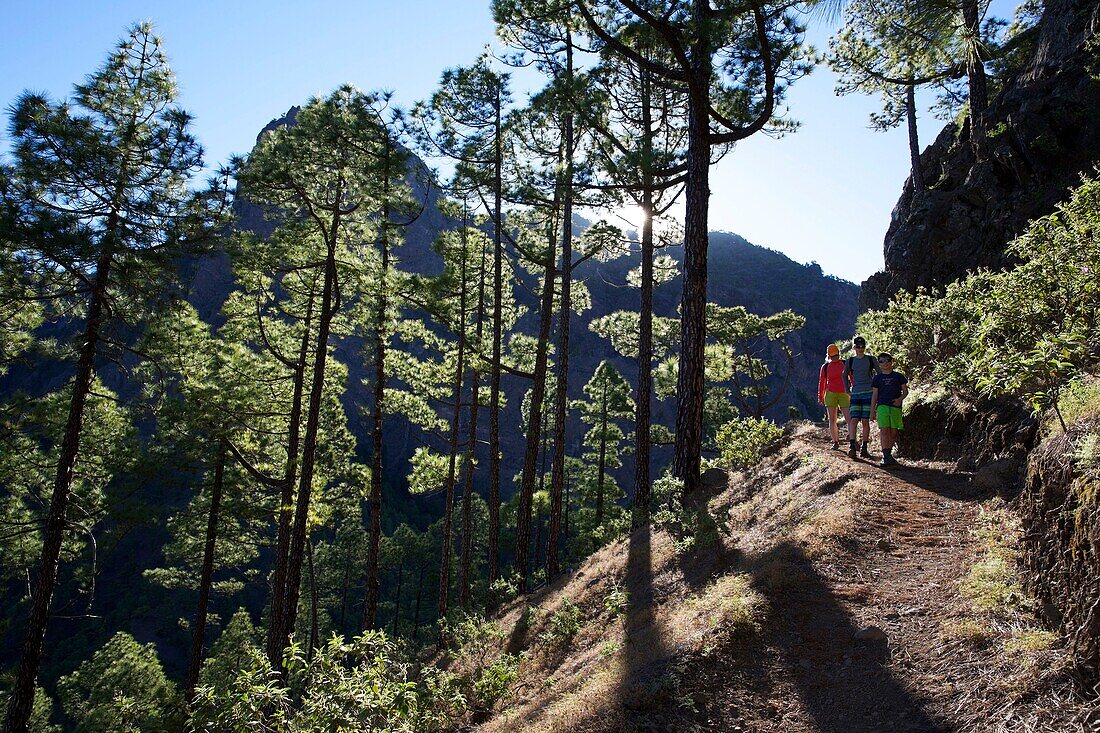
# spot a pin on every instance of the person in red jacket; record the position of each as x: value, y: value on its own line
x: 832, y: 391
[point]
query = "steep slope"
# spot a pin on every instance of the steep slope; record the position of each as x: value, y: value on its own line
x: 1044, y: 133
x: 846, y: 598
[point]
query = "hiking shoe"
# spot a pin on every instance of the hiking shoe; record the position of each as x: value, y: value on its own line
x: 888, y: 461
x: 836, y: 445
x: 863, y: 452
x: 852, y: 448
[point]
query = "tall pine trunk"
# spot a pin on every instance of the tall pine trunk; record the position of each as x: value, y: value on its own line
x: 471, y: 448
x: 494, y: 370
x: 286, y: 499
x: 690, y: 383
x: 370, y: 607
x: 561, y: 398
x: 975, y: 73
x: 534, y: 422
x: 640, y: 503
x: 53, y: 532
x: 206, y: 575
x: 449, y: 487
x: 602, y: 462
x: 914, y: 143
x: 314, y: 624
x: 296, y: 554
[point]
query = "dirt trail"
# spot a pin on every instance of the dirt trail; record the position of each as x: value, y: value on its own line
x: 897, y: 569
x: 857, y: 570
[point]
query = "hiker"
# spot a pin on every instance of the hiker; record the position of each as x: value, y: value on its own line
x: 888, y: 390
x: 832, y: 391
x: 858, y: 372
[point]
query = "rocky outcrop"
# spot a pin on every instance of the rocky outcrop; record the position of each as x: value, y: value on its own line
x: 990, y: 437
x: 1044, y: 133
x: 1060, y: 508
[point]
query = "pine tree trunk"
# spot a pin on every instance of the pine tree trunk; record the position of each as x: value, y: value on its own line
x: 370, y: 608
x: 534, y: 425
x: 914, y: 144
x: 494, y: 371
x: 975, y: 72
x: 296, y: 553
x: 314, y: 627
x: 449, y: 488
x: 206, y: 575
x: 471, y: 448
x: 21, y: 702
x: 690, y: 381
x: 640, y: 514
x: 602, y: 462
x: 561, y: 398
x: 286, y: 499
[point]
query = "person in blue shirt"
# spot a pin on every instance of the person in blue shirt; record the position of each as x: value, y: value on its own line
x: 888, y: 390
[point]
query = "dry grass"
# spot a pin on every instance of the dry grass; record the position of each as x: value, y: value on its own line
x: 650, y: 618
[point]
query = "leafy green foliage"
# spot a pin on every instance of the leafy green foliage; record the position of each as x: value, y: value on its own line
x: 122, y: 688
x: 689, y: 521
x: 486, y: 672
x: 617, y: 600
x: 362, y: 685
x: 742, y: 441
x: 1022, y: 332
x: 562, y: 625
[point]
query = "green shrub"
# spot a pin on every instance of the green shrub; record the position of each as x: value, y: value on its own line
x: 742, y: 441
x: 617, y: 600
x: 485, y: 673
x: 1024, y: 332
x: 360, y: 685
x: 563, y: 624
x: 692, y: 526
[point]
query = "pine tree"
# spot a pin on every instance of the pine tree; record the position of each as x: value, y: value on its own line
x: 608, y: 402
x: 122, y: 687
x: 103, y: 184
x: 891, y: 50
x: 206, y: 389
x: 465, y: 121
x: 735, y: 61
x: 329, y: 170
x: 640, y: 151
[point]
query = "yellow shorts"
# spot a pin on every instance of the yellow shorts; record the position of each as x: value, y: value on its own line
x: 837, y: 399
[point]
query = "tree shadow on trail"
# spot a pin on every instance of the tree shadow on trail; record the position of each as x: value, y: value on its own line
x: 844, y: 683
x: 645, y: 652
x: 955, y: 486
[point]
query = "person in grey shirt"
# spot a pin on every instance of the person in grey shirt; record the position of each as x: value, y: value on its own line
x: 859, y: 370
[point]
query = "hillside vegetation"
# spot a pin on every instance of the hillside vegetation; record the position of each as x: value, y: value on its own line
x: 843, y: 597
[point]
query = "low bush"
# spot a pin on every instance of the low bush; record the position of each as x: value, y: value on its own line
x: 742, y: 441
x: 1025, y: 332
x: 563, y: 624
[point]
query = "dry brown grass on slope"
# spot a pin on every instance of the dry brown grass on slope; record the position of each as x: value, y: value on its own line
x: 680, y: 610
x: 758, y: 632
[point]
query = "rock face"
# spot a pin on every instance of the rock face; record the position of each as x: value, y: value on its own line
x: 1044, y: 133
x: 1060, y: 508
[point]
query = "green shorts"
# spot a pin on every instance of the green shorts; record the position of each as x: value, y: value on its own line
x: 889, y: 417
x: 837, y: 399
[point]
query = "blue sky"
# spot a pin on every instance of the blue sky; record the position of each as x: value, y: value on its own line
x: 824, y: 193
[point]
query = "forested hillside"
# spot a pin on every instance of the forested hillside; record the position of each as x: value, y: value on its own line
x: 394, y: 423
